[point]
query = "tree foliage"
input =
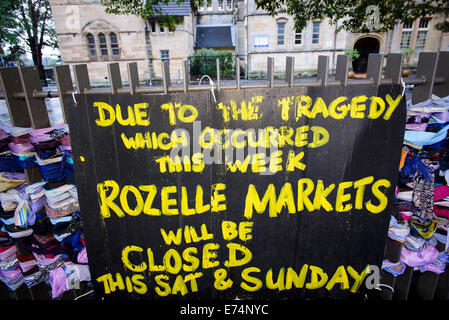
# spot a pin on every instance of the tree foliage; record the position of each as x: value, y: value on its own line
x: 359, y: 16
x: 27, y: 24
x: 148, y: 8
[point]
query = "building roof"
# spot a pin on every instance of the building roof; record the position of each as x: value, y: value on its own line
x: 214, y: 36
x: 174, y: 9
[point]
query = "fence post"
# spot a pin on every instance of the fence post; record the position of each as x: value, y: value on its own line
x: 36, y: 114
x: 165, y: 76
x: 37, y: 109
x: 17, y: 107
x: 393, y: 70
x: 64, y: 84
x: 185, y: 72
x: 341, y: 71
x: 427, y: 64
x: 270, y: 72
x: 81, y: 78
x: 217, y: 63
x: 237, y: 72
x: 442, y: 89
x: 323, y: 69
x: 374, y: 69
x: 115, y: 80
x: 133, y: 76
x: 289, y: 70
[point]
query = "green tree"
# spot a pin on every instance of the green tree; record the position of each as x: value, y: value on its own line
x: 7, y: 22
x: 30, y: 25
x: 149, y: 8
x: 360, y: 15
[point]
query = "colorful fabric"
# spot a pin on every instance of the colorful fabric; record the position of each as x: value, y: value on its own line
x: 423, y: 191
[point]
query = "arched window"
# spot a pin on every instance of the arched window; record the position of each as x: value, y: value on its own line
x: 91, y: 45
x: 114, y: 44
x: 103, y: 44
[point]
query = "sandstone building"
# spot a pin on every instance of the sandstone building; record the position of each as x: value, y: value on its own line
x: 86, y: 34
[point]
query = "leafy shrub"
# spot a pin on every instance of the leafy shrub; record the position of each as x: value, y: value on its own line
x: 204, y: 62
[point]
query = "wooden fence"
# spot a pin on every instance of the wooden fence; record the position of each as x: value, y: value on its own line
x: 25, y: 99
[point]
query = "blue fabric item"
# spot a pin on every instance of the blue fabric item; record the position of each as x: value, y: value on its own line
x: 8, y: 163
x: 46, y: 154
x: 414, y: 164
x: 424, y: 138
x: 52, y: 172
x: 26, y: 162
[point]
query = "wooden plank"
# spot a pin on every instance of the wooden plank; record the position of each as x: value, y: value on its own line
x: 341, y: 72
x: 81, y: 77
x: 17, y: 107
x: 237, y: 72
x: 64, y: 84
x: 115, y: 79
x: 374, y: 69
x: 387, y: 285
x: 426, y: 285
x: 323, y: 69
x: 217, y: 63
x: 37, y: 108
x: 442, y: 289
x: 270, y: 72
x: 186, y: 74
x: 402, y: 284
x: 133, y: 76
x: 289, y: 70
x: 392, y: 250
x: 427, y: 64
x: 166, y: 75
x: 442, y: 89
x: 393, y: 69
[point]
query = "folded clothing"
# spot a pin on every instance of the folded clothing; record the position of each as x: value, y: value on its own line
x: 424, y: 228
x: 419, y: 258
x: 8, y: 182
x: 438, y: 266
x: 398, y: 230
x: 414, y: 243
x: 395, y: 268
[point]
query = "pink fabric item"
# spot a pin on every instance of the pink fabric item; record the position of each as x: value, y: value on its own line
x: 58, y: 282
x: 40, y: 135
x: 6, y: 253
x: 20, y: 147
x: 82, y: 256
x: 416, y: 126
x: 440, y: 192
x: 441, y: 211
x: 406, y: 215
x: 416, y: 259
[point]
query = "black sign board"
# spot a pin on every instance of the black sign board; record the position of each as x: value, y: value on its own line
x: 270, y: 193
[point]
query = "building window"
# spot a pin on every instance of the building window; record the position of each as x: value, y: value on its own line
x: 423, y: 23
x: 229, y: 4
x: 316, y: 32
x: 114, y: 44
x: 164, y: 55
x: 406, y: 39
x: 281, y: 33
x: 407, y: 25
x: 91, y: 45
x: 103, y: 44
x: 298, y: 36
x: 153, y: 26
x: 421, y: 36
x: 161, y: 28
x: 220, y: 5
